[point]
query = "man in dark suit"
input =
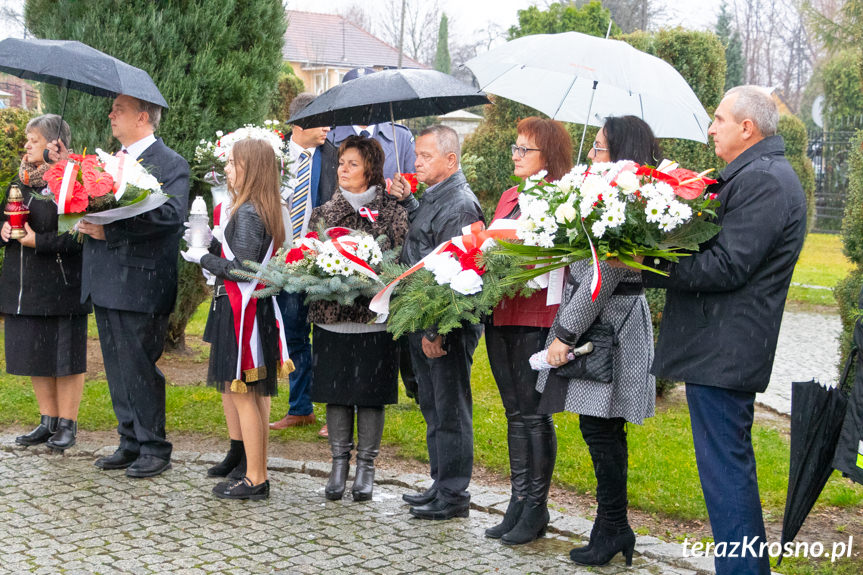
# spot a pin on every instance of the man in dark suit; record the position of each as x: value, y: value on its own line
x: 722, y: 314
x: 129, y: 272
x: 301, y: 197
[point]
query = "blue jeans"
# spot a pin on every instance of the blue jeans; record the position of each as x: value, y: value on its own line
x: 447, y: 406
x: 722, y: 433
x: 295, y: 314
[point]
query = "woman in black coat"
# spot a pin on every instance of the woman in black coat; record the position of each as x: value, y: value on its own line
x: 40, y: 299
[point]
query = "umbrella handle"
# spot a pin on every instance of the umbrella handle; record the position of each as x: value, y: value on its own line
x: 65, y: 87
x: 395, y: 140
x: 586, y: 120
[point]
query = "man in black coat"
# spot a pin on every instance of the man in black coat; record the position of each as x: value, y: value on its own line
x: 722, y: 314
x: 130, y: 274
x: 442, y: 364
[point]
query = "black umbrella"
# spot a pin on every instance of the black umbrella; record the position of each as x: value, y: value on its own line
x: 389, y: 95
x: 74, y: 65
x: 816, y: 420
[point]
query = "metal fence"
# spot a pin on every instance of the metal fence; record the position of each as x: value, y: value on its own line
x: 830, y: 153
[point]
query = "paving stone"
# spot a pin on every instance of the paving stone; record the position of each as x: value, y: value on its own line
x: 808, y: 348
x: 62, y: 512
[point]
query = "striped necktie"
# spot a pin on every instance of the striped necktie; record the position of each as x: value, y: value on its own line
x: 300, y: 198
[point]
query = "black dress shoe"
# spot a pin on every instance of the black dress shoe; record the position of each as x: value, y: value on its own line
x: 243, y: 489
x: 120, y: 459
x: 46, y: 428
x: 439, y: 509
x: 417, y: 499
x: 64, y: 437
x: 148, y: 466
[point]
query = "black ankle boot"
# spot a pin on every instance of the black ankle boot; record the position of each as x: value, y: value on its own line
x: 531, y: 525
x: 64, y: 437
x: 510, y: 519
x: 519, y: 453
x: 370, y: 429
x: 364, y: 481
x: 611, y: 533
x: 240, y: 470
x: 541, y: 457
x: 335, y: 488
x: 594, y: 531
x: 602, y: 548
x: 340, y: 423
x: 230, y: 462
x: 46, y: 428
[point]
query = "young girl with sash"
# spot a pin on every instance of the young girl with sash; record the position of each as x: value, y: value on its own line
x: 247, y: 353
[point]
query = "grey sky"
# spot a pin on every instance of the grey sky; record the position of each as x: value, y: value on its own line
x: 470, y: 15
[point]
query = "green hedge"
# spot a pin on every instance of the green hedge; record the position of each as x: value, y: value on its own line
x: 848, y: 290
x: 793, y: 131
x: 12, y: 124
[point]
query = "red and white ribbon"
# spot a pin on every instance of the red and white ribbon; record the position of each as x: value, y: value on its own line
x: 342, y: 246
x: 67, y: 187
x: 596, y: 280
x: 244, y: 307
x: 370, y: 215
x: 474, y: 236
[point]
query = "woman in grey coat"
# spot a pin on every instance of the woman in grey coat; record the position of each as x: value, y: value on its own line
x: 604, y: 408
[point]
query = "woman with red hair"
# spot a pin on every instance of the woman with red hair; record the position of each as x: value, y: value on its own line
x: 519, y: 328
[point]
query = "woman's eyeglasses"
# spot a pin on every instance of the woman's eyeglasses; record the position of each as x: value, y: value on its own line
x: 597, y: 147
x: 522, y: 150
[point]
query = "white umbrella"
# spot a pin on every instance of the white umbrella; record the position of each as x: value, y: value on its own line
x: 578, y: 78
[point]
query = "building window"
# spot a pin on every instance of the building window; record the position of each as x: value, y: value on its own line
x: 322, y: 83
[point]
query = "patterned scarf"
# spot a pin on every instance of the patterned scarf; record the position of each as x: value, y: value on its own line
x: 32, y: 174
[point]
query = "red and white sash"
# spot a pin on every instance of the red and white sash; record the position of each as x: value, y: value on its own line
x: 250, y: 356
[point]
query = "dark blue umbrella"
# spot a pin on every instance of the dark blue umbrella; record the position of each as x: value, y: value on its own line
x: 77, y: 66
x: 74, y: 65
x: 388, y: 96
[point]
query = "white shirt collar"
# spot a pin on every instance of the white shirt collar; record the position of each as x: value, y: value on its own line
x: 295, y: 150
x: 135, y: 150
x: 370, y: 129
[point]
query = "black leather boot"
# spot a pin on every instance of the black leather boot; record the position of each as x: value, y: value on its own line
x: 519, y: 446
x: 370, y: 429
x: 46, y: 428
x: 64, y: 437
x: 340, y: 422
x: 543, y: 453
x: 606, y: 441
x: 230, y: 462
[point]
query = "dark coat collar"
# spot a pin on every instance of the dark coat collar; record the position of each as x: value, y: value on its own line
x: 455, y: 181
x: 774, y: 145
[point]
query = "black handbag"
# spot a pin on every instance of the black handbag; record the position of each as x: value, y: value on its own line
x: 597, y: 364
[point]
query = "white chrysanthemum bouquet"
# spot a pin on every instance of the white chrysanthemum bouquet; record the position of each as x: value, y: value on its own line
x: 613, y: 210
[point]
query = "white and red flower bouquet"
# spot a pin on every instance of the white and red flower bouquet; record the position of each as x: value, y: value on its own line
x: 336, y: 264
x: 459, y: 282
x: 101, y: 188
x: 613, y: 210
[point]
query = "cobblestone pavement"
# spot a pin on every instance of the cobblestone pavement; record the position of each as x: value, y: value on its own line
x: 61, y: 514
x: 808, y: 348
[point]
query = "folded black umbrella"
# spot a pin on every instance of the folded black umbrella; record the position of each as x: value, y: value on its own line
x: 388, y: 96
x: 816, y: 420
x: 77, y: 66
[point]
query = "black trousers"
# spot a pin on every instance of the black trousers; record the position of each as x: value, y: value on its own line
x: 131, y: 344
x: 447, y: 407
x: 509, y: 349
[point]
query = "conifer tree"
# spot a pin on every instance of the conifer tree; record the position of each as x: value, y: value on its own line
x: 216, y: 64
x: 442, y: 60
x: 730, y: 39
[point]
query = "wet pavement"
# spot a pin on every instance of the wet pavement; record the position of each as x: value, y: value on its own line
x: 58, y: 513
x: 808, y: 348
